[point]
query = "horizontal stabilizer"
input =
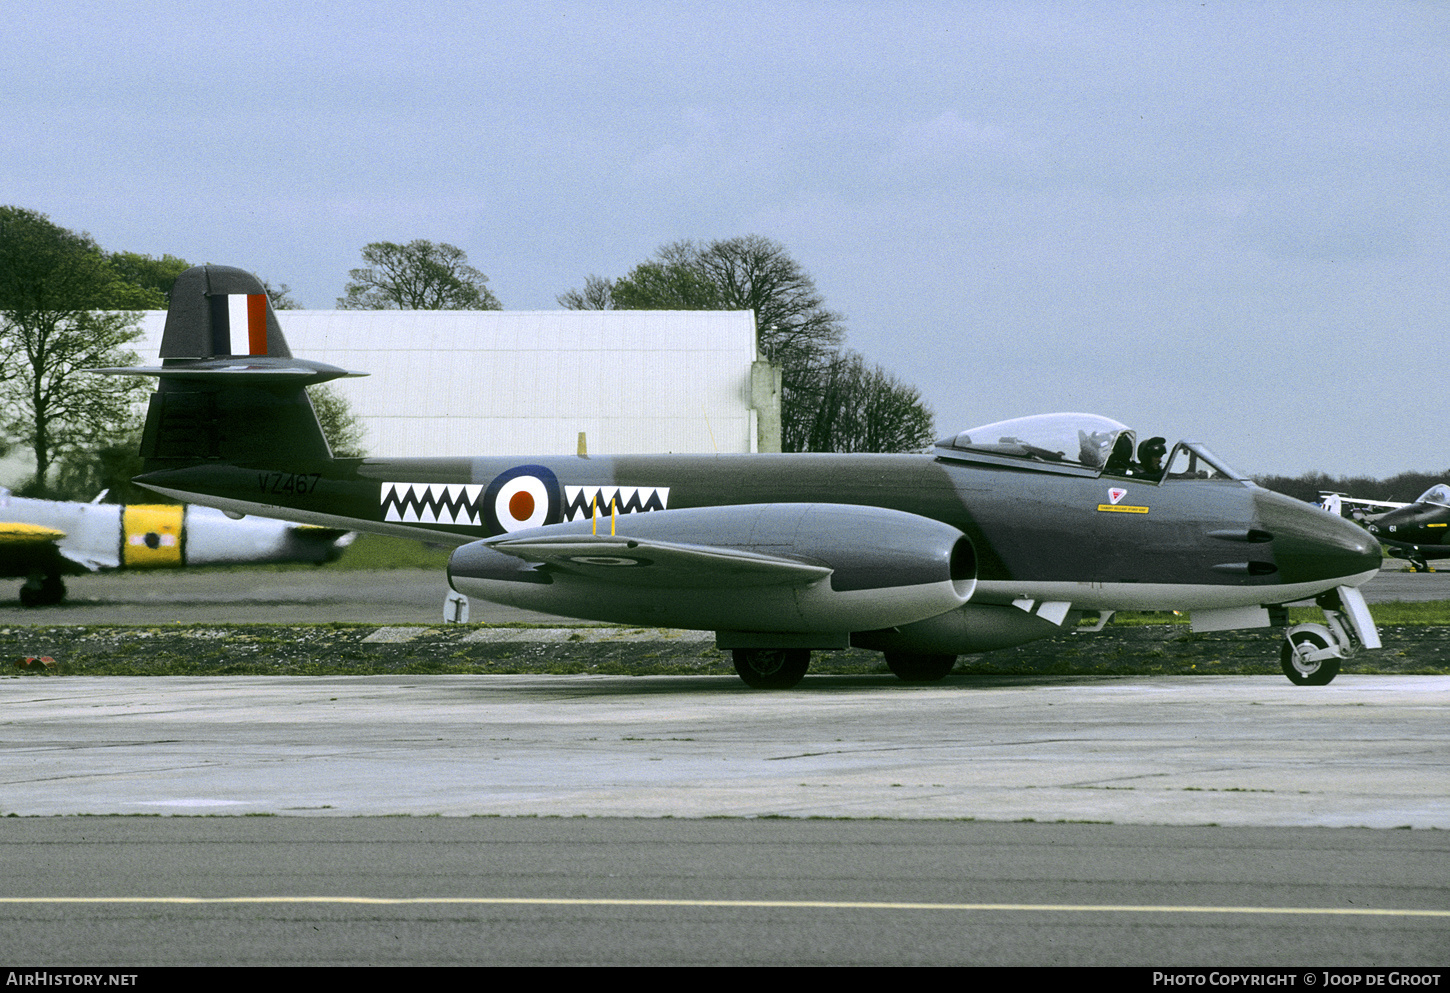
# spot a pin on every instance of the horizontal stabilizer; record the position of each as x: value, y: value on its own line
x: 631, y: 561
x: 255, y: 372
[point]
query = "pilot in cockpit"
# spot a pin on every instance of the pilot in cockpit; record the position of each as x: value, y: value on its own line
x: 1150, y: 459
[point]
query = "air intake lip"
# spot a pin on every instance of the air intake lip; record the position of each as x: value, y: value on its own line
x: 963, y: 567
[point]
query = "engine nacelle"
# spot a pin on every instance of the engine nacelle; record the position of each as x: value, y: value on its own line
x: 973, y: 627
x: 886, y: 567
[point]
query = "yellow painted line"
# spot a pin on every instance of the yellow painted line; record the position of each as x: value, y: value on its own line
x: 1072, y: 908
x: 1114, y: 508
x: 1434, y: 525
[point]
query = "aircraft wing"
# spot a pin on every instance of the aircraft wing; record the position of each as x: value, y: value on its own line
x: 1334, y: 499
x: 25, y: 548
x: 660, y: 564
x: 27, y: 535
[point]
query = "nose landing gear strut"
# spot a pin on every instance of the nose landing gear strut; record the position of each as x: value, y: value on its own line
x: 1312, y: 652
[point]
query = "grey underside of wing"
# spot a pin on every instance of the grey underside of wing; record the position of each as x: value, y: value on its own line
x: 632, y: 562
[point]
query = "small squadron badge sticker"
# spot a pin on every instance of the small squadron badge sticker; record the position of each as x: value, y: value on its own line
x: 1115, y: 504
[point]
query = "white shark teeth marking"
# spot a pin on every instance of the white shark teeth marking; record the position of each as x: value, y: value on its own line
x: 432, y: 503
x: 582, y: 502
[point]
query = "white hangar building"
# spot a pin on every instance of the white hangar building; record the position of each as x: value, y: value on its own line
x: 450, y: 383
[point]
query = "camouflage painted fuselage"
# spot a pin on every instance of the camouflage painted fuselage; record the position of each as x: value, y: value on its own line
x: 1097, y: 542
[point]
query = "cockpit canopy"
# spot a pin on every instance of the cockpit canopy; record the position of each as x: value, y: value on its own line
x: 1439, y: 495
x: 1082, y: 445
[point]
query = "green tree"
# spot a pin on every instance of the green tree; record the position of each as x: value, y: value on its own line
x: 82, y: 475
x: 341, y: 426
x: 675, y: 285
x: 825, y: 391
x: 148, y: 274
x: 57, y: 291
x: 421, y: 275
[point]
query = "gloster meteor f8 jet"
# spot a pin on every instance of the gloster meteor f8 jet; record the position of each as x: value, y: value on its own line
x: 1003, y: 534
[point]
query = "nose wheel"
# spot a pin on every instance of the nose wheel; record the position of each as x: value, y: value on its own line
x: 1312, y: 653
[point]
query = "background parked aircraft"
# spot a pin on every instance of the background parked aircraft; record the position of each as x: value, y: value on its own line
x: 44, y: 540
x: 1415, y: 531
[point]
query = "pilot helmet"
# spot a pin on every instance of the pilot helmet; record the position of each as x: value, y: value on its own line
x: 1152, y: 449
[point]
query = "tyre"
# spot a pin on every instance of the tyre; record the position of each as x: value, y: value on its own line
x: 771, y: 668
x: 52, y: 590
x: 1307, y: 673
x: 914, y: 668
x: 48, y: 591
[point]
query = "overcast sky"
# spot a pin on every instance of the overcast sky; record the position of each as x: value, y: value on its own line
x: 1220, y: 220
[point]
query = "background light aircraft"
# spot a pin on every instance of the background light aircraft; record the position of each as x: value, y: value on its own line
x: 1002, y: 535
x: 1416, y: 531
x: 43, y: 540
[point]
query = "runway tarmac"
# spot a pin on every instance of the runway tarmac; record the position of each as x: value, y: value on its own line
x: 1231, y: 795
x: 524, y: 891
x: 1230, y: 820
x: 1365, y: 751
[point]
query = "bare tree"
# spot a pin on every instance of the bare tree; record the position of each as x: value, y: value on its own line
x: 421, y: 275
x: 280, y: 296
x: 860, y: 408
x: 830, y: 400
x: 598, y: 294
x: 755, y: 273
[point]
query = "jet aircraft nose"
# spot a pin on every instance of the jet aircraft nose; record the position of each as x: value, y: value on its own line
x: 1311, y: 545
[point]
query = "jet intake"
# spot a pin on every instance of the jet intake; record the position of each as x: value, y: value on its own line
x: 755, y: 567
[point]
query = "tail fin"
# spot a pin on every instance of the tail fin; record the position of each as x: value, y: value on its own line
x: 211, y: 405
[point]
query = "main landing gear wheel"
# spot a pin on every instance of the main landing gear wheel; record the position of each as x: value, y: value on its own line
x: 913, y: 668
x: 772, y: 668
x: 1302, y: 672
x: 45, y: 592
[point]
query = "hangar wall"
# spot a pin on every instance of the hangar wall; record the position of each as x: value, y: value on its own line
x: 527, y: 382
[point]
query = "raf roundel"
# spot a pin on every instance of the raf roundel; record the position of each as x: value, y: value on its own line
x: 525, y: 496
